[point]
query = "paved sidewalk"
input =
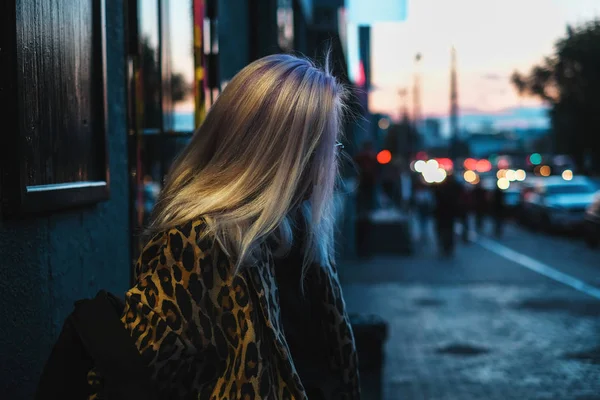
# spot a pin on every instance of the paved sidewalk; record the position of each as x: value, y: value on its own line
x: 478, y: 327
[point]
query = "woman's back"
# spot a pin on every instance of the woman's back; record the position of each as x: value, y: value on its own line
x: 207, y: 332
x: 207, y: 312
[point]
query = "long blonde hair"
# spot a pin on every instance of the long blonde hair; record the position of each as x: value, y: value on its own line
x: 267, y: 144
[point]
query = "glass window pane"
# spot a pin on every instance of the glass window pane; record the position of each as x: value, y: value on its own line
x: 157, y: 156
x: 150, y: 80
x: 285, y: 25
x: 181, y: 68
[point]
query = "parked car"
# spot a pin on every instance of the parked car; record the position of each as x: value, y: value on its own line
x: 512, y: 200
x: 592, y: 222
x: 527, y: 189
x: 556, y: 204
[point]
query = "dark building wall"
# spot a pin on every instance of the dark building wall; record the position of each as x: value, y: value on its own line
x: 364, y: 43
x: 263, y: 28
x: 300, y: 28
x: 49, y: 262
x: 234, y: 45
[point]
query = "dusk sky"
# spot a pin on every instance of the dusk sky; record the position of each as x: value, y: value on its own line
x: 492, y: 39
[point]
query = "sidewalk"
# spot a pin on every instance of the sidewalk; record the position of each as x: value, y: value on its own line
x: 477, y: 327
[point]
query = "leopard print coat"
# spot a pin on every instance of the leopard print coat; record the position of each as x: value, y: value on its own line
x: 209, y: 333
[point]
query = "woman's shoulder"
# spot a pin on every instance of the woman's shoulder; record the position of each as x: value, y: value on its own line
x: 181, y: 245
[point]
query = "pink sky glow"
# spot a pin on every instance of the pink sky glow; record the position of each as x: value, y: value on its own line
x: 492, y: 39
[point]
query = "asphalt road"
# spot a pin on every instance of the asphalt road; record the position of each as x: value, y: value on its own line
x: 510, y: 318
x: 567, y: 254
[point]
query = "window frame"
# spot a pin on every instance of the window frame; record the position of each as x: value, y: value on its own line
x: 18, y: 196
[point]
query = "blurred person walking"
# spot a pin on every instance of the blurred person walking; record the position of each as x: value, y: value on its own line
x: 406, y: 185
x: 447, y: 209
x: 366, y: 160
x: 498, y: 210
x: 480, y: 206
x: 390, y: 183
x: 465, y: 206
x: 223, y: 232
x: 424, y: 205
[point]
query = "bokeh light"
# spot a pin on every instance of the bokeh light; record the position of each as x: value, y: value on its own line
x: 503, y: 163
x: 434, y: 175
x: 420, y: 166
x: 441, y: 175
x: 511, y: 175
x: 433, y: 164
x: 567, y: 175
x: 520, y: 175
x: 470, y: 176
x: 421, y: 155
x: 503, y: 183
x: 470, y: 163
x: 384, y: 157
x: 445, y: 163
x: 545, y: 170
x: 501, y: 173
x: 535, y: 158
x: 384, y: 123
x: 483, y: 166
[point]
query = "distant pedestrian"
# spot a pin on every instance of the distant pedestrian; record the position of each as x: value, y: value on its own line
x: 390, y: 183
x: 480, y: 205
x: 498, y: 211
x: 366, y: 160
x: 447, y: 210
x: 424, y: 205
x: 406, y: 188
x: 465, y: 206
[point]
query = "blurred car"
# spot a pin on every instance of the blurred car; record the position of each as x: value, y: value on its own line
x: 512, y: 200
x: 592, y: 222
x: 557, y: 204
x: 526, y: 190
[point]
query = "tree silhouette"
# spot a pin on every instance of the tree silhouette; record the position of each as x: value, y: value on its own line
x: 569, y: 81
x: 151, y: 84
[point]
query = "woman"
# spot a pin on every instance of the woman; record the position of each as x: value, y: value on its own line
x: 214, y: 313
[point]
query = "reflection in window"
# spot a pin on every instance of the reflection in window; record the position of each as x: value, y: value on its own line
x: 285, y: 25
x: 150, y: 79
x: 157, y: 157
x: 181, y: 66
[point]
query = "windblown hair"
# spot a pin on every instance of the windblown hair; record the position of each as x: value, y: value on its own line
x: 266, y: 149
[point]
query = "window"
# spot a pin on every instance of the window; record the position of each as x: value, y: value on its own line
x: 178, y: 74
x: 167, y: 93
x: 285, y: 25
x: 53, y: 150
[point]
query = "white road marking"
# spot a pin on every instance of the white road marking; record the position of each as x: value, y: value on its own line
x: 538, y: 267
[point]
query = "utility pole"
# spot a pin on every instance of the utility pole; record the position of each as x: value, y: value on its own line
x: 417, y: 93
x: 403, y: 108
x: 453, y: 103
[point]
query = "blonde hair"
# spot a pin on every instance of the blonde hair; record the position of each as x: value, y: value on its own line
x: 267, y: 144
